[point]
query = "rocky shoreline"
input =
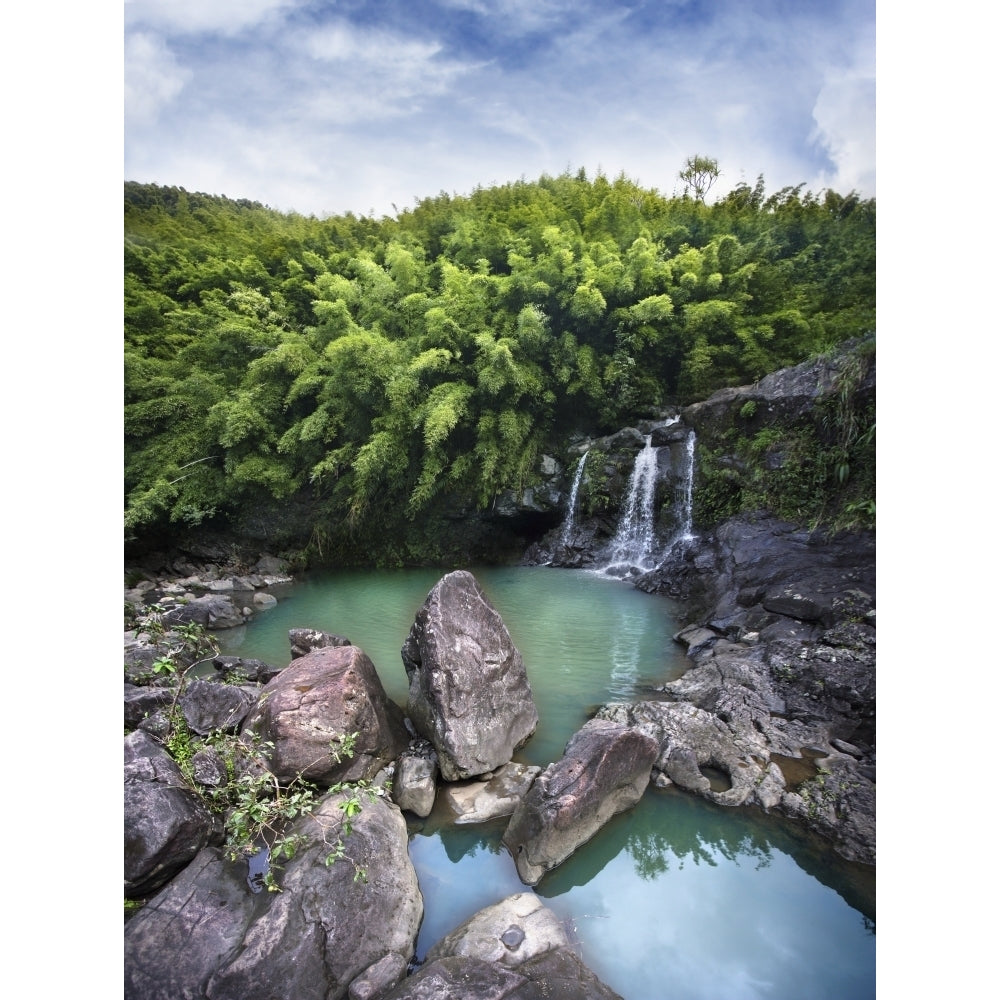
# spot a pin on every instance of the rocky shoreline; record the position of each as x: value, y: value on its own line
x: 775, y: 713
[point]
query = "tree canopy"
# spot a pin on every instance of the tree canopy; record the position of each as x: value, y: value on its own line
x: 383, y: 366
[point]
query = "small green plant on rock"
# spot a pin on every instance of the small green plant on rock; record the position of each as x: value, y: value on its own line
x: 164, y: 665
x: 257, y: 808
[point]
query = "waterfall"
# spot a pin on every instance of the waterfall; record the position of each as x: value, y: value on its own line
x: 635, y: 540
x: 684, y: 535
x: 567, y: 530
x: 635, y: 546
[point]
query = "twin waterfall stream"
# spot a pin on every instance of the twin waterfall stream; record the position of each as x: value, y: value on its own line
x: 635, y: 545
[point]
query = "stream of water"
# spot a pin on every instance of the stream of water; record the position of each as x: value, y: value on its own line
x: 677, y: 898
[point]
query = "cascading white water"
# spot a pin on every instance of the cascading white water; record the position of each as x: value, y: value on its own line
x: 635, y: 540
x: 687, y: 511
x: 567, y: 531
x: 635, y: 545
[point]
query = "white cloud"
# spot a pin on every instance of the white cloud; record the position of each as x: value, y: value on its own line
x: 845, y: 128
x: 518, y: 17
x: 342, y: 42
x: 379, y: 113
x: 370, y: 74
x: 226, y: 17
x: 153, y: 77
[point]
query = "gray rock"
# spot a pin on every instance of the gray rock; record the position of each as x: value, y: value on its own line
x: 321, y: 697
x: 240, y: 669
x: 176, y: 942
x: 213, y: 611
x: 681, y: 767
x: 379, y: 978
x: 305, y: 640
x: 270, y: 565
x: 209, y: 705
x: 414, y: 787
x: 461, y: 978
x: 141, y: 701
x: 604, y: 771
x: 482, y: 801
x: 509, y: 933
x: 561, y: 974
x: 208, y: 768
x: 558, y: 974
x: 724, y: 718
x: 469, y: 693
x: 206, y: 935
x: 166, y: 823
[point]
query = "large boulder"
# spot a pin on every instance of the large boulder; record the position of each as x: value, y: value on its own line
x: 321, y: 697
x: 166, y: 823
x: 603, y: 771
x: 469, y: 693
x: 207, y: 935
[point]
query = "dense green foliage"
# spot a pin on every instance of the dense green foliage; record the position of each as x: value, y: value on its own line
x: 386, y: 368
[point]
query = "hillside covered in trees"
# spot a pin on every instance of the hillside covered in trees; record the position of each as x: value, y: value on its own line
x: 384, y: 371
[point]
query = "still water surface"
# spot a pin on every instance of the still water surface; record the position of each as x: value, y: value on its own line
x: 676, y: 898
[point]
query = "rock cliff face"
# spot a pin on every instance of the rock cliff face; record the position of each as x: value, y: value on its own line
x: 778, y: 708
x: 780, y: 698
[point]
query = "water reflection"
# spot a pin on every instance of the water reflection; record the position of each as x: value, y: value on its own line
x: 677, y: 891
x: 676, y: 898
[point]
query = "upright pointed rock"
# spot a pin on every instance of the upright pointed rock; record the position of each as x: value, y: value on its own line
x: 469, y: 692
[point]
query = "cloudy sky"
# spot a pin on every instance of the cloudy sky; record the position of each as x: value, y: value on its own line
x: 328, y: 106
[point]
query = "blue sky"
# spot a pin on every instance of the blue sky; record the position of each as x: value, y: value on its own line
x: 324, y: 107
